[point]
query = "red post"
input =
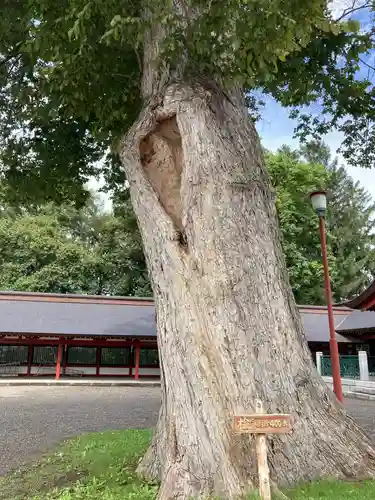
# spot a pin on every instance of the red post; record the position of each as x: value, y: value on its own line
x: 137, y: 356
x: 58, y: 361
x: 334, y: 350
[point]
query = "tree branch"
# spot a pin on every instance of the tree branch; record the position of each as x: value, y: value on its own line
x: 350, y: 10
x: 367, y: 64
x: 9, y: 58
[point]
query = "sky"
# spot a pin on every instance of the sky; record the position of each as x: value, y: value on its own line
x: 276, y: 129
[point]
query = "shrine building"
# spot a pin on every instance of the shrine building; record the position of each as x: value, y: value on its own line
x: 56, y: 335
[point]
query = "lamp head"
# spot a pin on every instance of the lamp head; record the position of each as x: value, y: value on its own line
x: 319, y: 202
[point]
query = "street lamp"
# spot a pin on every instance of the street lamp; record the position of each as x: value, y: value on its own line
x: 319, y: 203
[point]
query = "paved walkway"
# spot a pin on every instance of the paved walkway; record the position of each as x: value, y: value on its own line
x: 85, y: 381
x: 32, y: 419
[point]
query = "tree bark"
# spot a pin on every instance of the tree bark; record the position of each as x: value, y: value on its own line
x: 228, y: 328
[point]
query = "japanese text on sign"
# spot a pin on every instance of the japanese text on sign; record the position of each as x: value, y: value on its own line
x: 262, y: 424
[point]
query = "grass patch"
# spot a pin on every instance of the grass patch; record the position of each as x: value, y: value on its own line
x: 92, y: 466
x: 334, y: 490
x: 101, y: 466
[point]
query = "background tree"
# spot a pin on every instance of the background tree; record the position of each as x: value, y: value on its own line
x: 350, y: 223
x: 36, y: 254
x: 62, y: 249
x: 164, y: 83
x: 113, y: 248
x: 293, y: 180
x: 315, y: 152
x: 110, y: 258
x: 120, y: 252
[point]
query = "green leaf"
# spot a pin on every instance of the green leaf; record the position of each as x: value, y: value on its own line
x: 351, y: 26
x: 116, y: 20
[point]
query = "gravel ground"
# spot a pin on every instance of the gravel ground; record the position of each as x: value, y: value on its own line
x: 364, y: 413
x: 32, y: 419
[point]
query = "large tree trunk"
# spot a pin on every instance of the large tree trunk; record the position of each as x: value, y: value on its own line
x: 228, y: 328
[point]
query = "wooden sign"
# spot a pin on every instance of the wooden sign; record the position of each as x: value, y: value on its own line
x: 261, y: 425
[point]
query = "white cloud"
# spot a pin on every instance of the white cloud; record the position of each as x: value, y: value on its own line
x: 94, y: 185
x: 337, y: 7
x: 366, y: 177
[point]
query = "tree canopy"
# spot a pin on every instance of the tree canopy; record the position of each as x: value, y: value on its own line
x: 293, y: 180
x: 350, y: 223
x: 65, y: 250
x: 52, y: 248
x: 162, y: 83
x: 70, y: 76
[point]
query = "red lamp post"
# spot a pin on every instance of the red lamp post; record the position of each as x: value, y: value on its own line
x: 319, y: 203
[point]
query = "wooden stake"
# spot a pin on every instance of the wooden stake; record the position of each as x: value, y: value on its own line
x: 262, y: 424
x: 263, y: 470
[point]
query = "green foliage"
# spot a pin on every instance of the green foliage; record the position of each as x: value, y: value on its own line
x: 70, y: 87
x: 65, y: 250
x: 120, y: 252
x: 326, y: 72
x: 69, y: 250
x: 70, y: 76
x: 37, y: 255
x: 350, y: 223
x: 293, y: 181
x: 315, y: 152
